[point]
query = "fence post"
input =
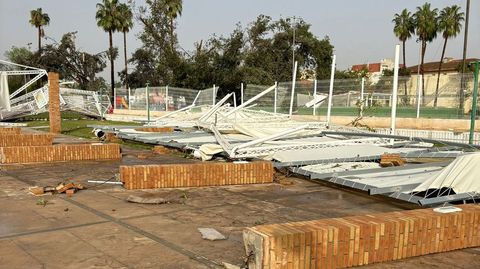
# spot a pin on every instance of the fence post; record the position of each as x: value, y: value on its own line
x: 362, y: 90
x: 214, y: 95
x: 294, y: 79
x: 234, y: 100
x: 275, y: 98
x: 395, y: 91
x: 241, y: 92
x: 330, y: 91
x: 114, y: 98
x: 473, y: 113
x: 148, y: 102
x: 129, y: 99
x: 419, y: 94
x: 314, y: 96
x: 166, y: 98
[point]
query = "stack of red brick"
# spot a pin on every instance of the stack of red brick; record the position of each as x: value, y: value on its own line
x: 195, y: 175
x: 59, y: 153
x: 361, y: 240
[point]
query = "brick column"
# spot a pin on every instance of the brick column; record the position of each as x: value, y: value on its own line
x: 54, y: 103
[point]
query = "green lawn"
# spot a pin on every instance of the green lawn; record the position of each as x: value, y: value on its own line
x: 76, y: 125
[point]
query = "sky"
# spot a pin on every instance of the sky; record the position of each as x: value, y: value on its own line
x: 360, y: 31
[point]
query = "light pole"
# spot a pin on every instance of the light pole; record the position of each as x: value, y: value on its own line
x: 293, y: 43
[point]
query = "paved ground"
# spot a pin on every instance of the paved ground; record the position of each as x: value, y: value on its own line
x: 97, y: 228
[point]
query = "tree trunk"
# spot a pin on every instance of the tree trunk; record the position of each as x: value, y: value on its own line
x: 39, y: 38
x: 112, y: 68
x: 424, y: 49
x: 439, y: 72
x: 125, y: 56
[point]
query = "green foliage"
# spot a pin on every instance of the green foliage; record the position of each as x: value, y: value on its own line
x: 426, y: 22
x: 38, y: 19
x: 73, y: 64
x: 404, y: 25
x: 450, y: 21
x: 261, y: 53
x: 19, y: 55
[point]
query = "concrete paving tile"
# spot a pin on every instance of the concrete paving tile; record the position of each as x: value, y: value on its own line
x: 61, y: 250
x: 109, y: 205
x: 19, y: 216
x: 187, y: 236
x: 132, y: 249
x: 13, y: 257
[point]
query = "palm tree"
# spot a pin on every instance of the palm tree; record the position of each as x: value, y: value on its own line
x: 173, y: 10
x: 126, y: 24
x: 38, y: 19
x: 108, y: 18
x: 403, y: 29
x: 449, y: 24
x: 426, y: 28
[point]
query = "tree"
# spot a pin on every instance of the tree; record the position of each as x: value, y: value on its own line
x: 173, y: 10
x: 73, y: 64
x: 403, y: 29
x: 426, y: 29
x: 108, y: 18
x: 126, y: 23
x: 449, y: 24
x: 38, y: 19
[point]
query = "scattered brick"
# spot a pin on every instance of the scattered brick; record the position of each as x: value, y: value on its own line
x: 387, y: 160
x: 156, y: 129
x: 195, y: 175
x: 161, y: 150
x: 14, y: 140
x: 59, y: 153
x: 112, y: 138
x: 362, y: 240
x: 70, y: 192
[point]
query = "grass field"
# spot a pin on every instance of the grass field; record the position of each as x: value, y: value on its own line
x: 76, y: 125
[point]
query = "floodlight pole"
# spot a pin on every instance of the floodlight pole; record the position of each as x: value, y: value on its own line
x: 473, y: 113
x: 395, y: 91
x: 330, y: 90
x: 294, y: 78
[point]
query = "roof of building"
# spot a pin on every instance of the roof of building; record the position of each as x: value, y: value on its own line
x: 447, y: 66
x: 372, y: 67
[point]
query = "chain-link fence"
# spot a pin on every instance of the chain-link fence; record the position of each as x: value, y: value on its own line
x: 371, y: 95
x: 162, y: 98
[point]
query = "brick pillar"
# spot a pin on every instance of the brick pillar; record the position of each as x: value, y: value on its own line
x: 54, y: 103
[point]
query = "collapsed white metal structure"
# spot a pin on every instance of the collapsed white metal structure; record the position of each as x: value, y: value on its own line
x: 317, y: 150
x: 15, y: 105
